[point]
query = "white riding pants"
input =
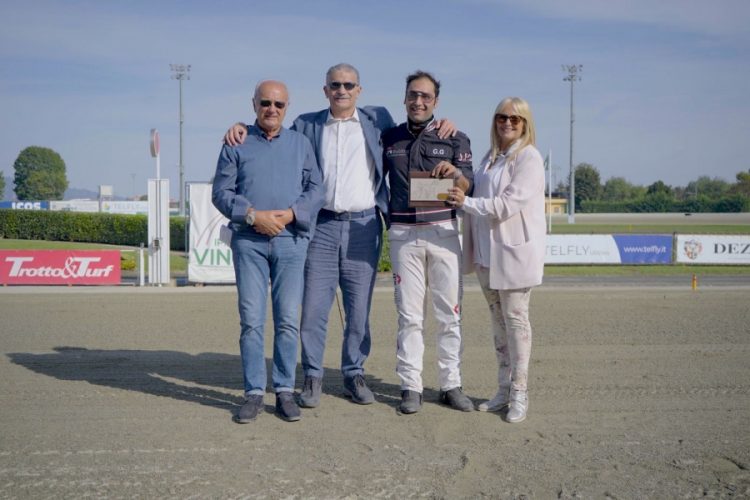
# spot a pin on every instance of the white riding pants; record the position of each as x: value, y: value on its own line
x: 427, y: 258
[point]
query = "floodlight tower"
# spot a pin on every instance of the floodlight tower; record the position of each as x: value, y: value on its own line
x: 574, y: 74
x: 181, y: 72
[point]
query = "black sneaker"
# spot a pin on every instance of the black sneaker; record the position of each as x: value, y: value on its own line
x: 455, y: 398
x: 286, y: 407
x: 411, y: 402
x: 250, y: 410
x: 357, y: 389
x: 310, y: 395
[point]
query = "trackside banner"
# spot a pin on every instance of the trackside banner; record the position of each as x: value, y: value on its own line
x: 713, y: 249
x: 25, y: 205
x: 608, y: 249
x: 59, y: 267
x: 644, y: 248
x: 210, y: 258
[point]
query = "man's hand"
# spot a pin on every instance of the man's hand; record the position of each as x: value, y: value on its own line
x: 445, y: 128
x: 445, y: 169
x: 236, y: 134
x: 270, y: 222
x: 284, y: 216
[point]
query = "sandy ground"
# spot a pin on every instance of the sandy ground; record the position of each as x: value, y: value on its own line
x: 635, y: 393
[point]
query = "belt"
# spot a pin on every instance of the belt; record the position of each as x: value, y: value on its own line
x: 330, y: 214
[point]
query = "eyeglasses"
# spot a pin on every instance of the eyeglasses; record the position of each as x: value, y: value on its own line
x: 514, y: 119
x: 413, y: 95
x: 338, y: 85
x: 266, y: 103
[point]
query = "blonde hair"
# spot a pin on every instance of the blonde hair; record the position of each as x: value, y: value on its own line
x: 528, y: 136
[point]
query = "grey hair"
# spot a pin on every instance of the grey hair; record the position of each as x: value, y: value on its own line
x: 341, y: 67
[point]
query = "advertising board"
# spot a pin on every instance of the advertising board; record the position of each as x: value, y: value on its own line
x: 60, y: 267
x: 713, y: 249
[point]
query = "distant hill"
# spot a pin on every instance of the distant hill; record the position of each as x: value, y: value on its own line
x: 80, y: 194
x: 70, y: 194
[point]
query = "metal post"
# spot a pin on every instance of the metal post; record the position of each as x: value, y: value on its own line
x: 141, y: 267
x: 182, y: 166
x: 573, y: 75
x: 181, y: 72
x: 549, y: 192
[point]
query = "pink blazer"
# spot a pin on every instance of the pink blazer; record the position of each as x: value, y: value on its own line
x: 518, y: 228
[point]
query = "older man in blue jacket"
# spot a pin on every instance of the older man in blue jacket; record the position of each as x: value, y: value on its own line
x: 270, y: 189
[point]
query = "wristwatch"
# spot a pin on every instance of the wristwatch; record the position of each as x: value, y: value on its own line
x: 250, y: 217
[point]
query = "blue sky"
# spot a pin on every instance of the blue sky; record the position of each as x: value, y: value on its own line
x: 661, y: 96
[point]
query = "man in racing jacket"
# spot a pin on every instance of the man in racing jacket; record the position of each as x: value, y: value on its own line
x: 424, y: 244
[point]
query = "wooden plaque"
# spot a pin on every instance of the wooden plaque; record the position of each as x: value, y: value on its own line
x: 426, y: 191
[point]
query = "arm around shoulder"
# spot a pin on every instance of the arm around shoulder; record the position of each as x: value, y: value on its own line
x: 380, y: 117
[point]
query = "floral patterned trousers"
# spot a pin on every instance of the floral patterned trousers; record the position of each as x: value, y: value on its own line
x: 509, y: 312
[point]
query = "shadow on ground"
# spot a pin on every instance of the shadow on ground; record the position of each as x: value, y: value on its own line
x: 211, y: 379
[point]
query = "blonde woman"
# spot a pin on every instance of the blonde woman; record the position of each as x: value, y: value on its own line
x: 504, y: 243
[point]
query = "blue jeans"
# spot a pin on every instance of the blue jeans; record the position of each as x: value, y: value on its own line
x: 343, y: 252
x: 257, y: 259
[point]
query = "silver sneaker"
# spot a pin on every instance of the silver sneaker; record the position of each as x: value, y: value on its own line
x: 497, y: 403
x: 519, y: 404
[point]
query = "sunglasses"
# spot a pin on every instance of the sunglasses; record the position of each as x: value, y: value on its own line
x: 266, y: 103
x: 338, y: 85
x: 514, y: 119
x: 413, y: 95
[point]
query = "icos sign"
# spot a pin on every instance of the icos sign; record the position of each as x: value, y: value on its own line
x: 25, y: 205
x: 59, y: 267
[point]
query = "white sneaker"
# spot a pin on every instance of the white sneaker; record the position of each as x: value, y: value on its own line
x: 519, y: 404
x: 497, y: 403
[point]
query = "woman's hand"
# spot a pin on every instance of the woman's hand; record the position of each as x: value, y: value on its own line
x: 456, y: 197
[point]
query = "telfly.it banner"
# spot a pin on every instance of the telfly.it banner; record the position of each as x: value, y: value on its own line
x: 608, y: 249
x: 59, y: 267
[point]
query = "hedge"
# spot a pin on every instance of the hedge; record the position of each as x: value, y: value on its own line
x: 85, y: 227
x: 662, y: 202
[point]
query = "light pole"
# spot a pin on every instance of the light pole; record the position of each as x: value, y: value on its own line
x: 574, y: 71
x: 181, y: 72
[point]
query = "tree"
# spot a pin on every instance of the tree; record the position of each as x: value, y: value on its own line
x: 705, y: 186
x: 587, y: 182
x: 743, y: 184
x: 618, y: 189
x: 40, y: 174
x: 2, y: 185
x: 659, y: 187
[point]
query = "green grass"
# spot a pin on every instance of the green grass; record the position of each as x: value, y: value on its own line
x: 644, y: 270
x: 177, y: 260
x: 650, y: 228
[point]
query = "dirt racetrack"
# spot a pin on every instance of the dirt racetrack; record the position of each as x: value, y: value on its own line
x: 634, y: 393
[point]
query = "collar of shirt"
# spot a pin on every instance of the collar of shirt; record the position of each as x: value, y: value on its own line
x: 417, y: 128
x: 331, y: 119
x: 511, y: 149
x: 256, y: 130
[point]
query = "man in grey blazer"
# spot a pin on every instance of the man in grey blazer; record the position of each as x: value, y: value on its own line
x: 347, y: 241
